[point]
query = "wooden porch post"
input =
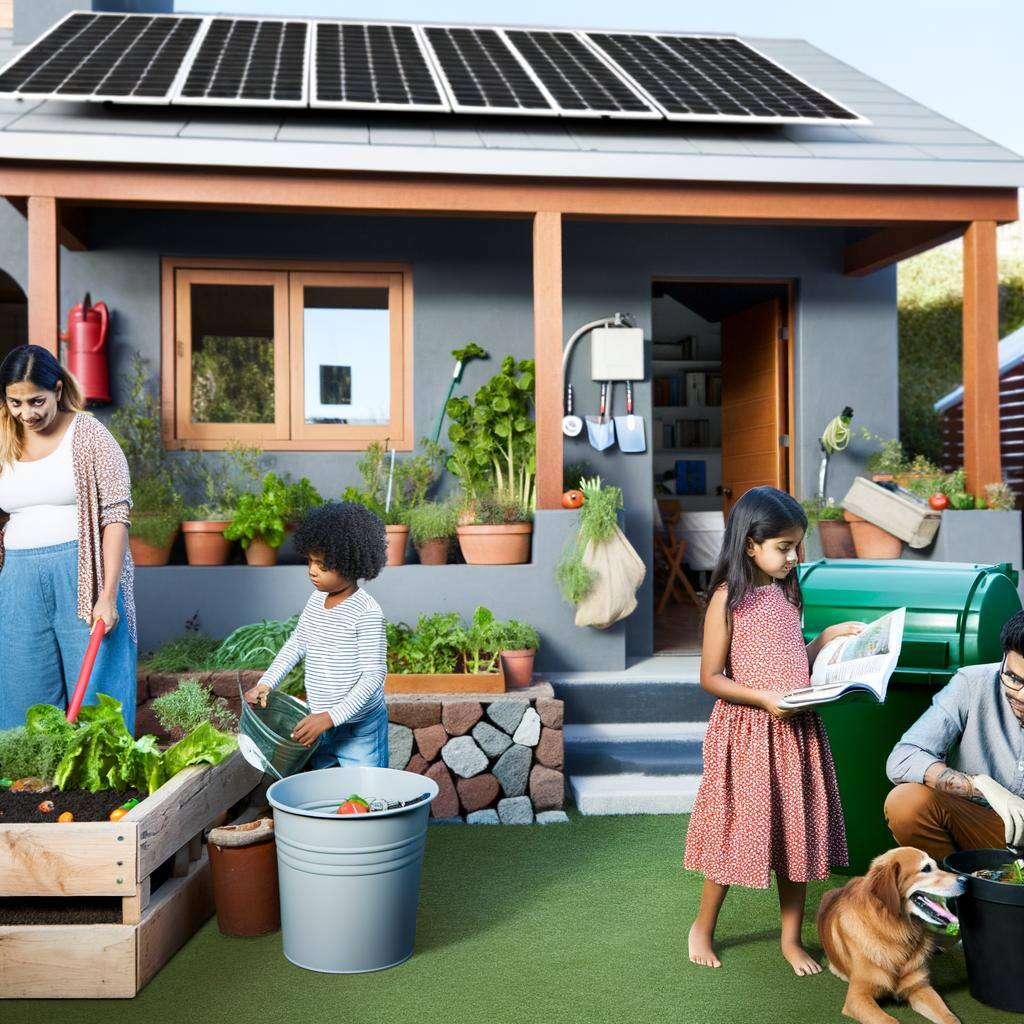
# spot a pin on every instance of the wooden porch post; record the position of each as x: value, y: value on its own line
x: 43, y: 272
x: 981, y: 356
x: 547, y: 335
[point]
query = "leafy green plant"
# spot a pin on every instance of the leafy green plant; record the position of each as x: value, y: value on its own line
x: 157, y: 505
x: 254, y: 645
x: 821, y: 511
x: 500, y: 510
x: 181, y: 654
x: 301, y: 497
x: 494, y: 436
x: 481, y: 644
x: 575, y: 580
x: 432, y: 647
x: 433, y: 520
x: 514, y: 635
x: 598, y: 520
x: 1000, y: 498
x: 413, y: 480
x: 262, y: 516
x: 222, y: 479
x: 24, y: 753
x: 188, y: 705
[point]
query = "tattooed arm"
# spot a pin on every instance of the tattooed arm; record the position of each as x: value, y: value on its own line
x: 944, y: 779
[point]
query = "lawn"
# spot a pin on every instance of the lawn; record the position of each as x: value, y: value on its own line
x: 583, y: 922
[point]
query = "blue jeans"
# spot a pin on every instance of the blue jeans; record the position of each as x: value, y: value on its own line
x: 355, y: 743
x: 43, y: 641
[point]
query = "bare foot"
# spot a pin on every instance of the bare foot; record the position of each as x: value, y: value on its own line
x: 799, y: 959
x: 701, y: 950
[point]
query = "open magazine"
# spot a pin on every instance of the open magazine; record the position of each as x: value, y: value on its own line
x: 854, y: 665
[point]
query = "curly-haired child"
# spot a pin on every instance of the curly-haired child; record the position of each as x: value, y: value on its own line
x: 342, y: 636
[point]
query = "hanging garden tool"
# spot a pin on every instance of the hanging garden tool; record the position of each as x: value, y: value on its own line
x: 630, y: 428
x: 834, y: 438
x: 462, y: 357
x: 85, y: 672
x: 600, y: 428
x: 572, y: 425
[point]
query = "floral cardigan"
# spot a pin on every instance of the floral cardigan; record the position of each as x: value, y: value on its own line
x: 103, y: 490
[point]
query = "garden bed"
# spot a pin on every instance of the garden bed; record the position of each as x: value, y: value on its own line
x: 145, y: 878
x: 23, y: 808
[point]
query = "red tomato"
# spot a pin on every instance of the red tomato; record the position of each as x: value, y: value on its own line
x: 572, y: 499
x: 353, y: 807
x: 938, y: 501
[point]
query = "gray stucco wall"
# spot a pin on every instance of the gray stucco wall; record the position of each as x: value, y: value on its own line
x: 472, y: 281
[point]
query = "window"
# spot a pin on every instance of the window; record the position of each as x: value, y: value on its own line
x: 287, y: 356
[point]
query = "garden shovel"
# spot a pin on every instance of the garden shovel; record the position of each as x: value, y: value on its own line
x: 630, y: 428
x: 601, y: 429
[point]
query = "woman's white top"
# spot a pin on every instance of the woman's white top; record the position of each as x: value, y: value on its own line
x: 40, y: 498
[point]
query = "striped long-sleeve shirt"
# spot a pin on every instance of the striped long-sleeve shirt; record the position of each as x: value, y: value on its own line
x: 345, y: 648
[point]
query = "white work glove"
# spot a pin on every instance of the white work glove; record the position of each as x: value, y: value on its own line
x: 1009, y: 807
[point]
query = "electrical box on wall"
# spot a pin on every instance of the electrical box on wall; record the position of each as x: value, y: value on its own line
x: 617, y: 353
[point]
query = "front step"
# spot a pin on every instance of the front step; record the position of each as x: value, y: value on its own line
x: 621, y: 699
x: 634, y: 794
x: 646, y: 748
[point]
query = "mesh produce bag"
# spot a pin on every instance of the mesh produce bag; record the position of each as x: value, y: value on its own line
x: 620, y: 571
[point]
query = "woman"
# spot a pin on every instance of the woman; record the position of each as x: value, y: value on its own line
x: 64, y: 559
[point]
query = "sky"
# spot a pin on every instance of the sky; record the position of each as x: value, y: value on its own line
x: 962, y: 59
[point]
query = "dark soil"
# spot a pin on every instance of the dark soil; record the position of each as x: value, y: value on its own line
x: 60, y: 910
x: 17, y: 808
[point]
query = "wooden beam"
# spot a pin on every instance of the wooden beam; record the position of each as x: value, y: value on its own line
x: 890, y: 245
x: 709, y: 202
x: 73, y: 225
x: 43, y: 272
x: 981, y: 357
x: 547, y: 341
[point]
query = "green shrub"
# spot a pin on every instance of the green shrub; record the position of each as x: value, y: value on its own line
x: 433, y: 520
x: 598, y: 520
x: 181, y: 654
x: 255, y: 645
x: 24, y: 753
x: 262, y: 516
x: 222, y: 479
x: 517, y: 636
x: 189, y: 705
x: 500, y: 510
x: 413, y: 479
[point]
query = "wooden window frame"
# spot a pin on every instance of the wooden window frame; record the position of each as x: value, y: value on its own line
x: 289, y: 432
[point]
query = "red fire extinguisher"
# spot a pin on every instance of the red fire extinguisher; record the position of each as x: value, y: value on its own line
x: 86, y: 339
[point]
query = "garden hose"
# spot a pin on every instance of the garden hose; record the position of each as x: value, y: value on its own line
x: 834, y: 438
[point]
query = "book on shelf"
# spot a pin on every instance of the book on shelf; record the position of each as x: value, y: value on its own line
x: 693, y: 433
x: 667, y: 390
x: 714, y: 389
x: 854, y: 667
x: 691, y: 476
x: 696, y: 387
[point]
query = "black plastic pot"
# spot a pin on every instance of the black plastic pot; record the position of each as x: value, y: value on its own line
x: 992, y: 928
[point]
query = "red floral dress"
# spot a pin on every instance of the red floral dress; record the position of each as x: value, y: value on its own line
x: 768, y: 800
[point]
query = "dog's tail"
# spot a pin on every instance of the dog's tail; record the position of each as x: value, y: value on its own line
x: 826, y: 934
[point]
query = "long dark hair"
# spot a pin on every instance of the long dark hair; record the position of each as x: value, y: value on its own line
x: 38, y: 366
x: 760, y: 514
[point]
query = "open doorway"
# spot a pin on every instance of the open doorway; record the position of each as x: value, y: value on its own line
x: 13, y: 315
x: 720, y: 425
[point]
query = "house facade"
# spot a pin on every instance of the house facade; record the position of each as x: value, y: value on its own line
x: 766, y: 253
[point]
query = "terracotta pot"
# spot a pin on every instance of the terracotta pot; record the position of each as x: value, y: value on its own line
x: 398, y: 541
x: 495, y: 545
x: 245, y: 888
x: 259, y: 552
x: 205, y: 543
x: 836, y: 539
x: 151, y: 554
x: 872, y: 541
x: 518, y: 668
x: 434, y: 552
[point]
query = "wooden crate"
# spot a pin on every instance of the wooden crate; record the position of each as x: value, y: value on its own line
x: 115, y: 859
x: 491, y: 682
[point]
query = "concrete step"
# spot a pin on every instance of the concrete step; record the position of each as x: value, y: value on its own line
x: 634, y: 793
x: 649, y: 748
x: 621, y: 699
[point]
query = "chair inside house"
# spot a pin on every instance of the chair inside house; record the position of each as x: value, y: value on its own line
x: 678, y: 628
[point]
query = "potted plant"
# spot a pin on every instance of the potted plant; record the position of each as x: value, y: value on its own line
x: 223, y: 480
x: 157, y: 506
x: 518, y: 644
x: 497, y: 532
x: 432, y: 526
x: 259, y: 521
x: 833, y: 529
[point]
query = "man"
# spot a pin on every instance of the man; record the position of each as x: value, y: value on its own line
x: 972, y: 798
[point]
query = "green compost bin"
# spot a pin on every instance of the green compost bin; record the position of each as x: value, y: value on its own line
x: 955, y: 612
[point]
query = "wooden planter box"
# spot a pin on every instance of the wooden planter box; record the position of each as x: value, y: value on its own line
x: 115, y: 859
x: 458, y: 682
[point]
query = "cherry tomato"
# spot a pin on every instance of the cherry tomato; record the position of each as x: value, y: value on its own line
x: 46, y: 806
x: 572, y: 499
x: 118, y: 813
x: 353, y: 807
x: 65, y: 817
x: 938, y: 501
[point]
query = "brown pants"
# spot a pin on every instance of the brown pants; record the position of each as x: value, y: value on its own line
x: 941, y: 823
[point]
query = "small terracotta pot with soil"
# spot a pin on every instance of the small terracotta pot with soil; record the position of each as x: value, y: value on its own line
x: 259, y: 552
x: 434, y: 552
x: 245, y: 888
x: 205, y: 543
x: 518, y: 668
x: 496, y: 545
x: 872, y: 541
x: 836, y: 539
x: 398, y: 540
x: 151, y: 554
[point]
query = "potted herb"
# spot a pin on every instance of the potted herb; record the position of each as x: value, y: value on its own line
x: 518, y: 643
x: 498, y: 531
x: 157, y: 506
x: 222, y: 481
x: 259, y: 521
x: 432, y: 526
x: 188, y: 705
x: 833, y: 530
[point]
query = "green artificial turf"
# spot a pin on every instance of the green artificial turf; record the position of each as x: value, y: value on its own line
x: 584, y: 922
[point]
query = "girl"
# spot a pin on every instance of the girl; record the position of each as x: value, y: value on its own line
x: 342, y: 635
x: 768, y: 800
x: 64, y: 550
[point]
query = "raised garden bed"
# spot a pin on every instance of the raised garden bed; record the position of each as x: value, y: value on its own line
x: 144, y: 879
x: 454, y: 682
x: 23, y: 808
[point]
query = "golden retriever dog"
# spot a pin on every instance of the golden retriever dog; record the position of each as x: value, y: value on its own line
x: 873, y: 933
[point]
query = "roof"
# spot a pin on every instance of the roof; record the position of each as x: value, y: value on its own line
x: 1011, y: 354
x: 906, y: 143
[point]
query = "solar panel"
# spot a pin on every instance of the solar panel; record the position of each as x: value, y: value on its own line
x: 703, y: 78
x: 579, y: 80
x: 482, y: 74
x: 372, y: 67
x: 128, y: 58
x: 249, y: 62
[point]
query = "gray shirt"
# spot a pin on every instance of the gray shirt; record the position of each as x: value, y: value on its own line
x: 970, y: 711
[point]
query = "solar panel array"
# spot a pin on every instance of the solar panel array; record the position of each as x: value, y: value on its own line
x: 291, y: 62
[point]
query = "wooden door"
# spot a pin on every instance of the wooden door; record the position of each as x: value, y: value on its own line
x: 754, y: 421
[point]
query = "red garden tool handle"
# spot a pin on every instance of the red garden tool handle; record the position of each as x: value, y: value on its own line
x: 85, y: 672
